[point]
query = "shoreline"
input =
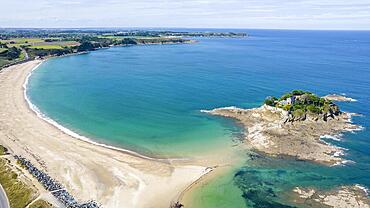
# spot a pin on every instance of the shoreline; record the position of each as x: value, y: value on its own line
x: 188, y: 189
x: 70, y: 132
x: 112, y: 177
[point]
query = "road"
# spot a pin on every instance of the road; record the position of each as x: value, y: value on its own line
x: 4, y: 203
x: 26, y: 57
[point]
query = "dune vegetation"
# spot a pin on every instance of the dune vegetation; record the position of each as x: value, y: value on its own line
x: 3, y: 150
x: 40, y: 204
x: 18, y: 193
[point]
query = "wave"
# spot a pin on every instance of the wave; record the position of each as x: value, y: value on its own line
x: 349, y: 99
x: 69, y: 132
x: 326, y: 136
x: 363, y: 188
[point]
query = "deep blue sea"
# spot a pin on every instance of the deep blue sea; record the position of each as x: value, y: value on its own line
x: 148, y: 99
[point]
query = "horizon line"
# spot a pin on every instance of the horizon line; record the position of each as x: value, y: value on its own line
x: 220, y: 28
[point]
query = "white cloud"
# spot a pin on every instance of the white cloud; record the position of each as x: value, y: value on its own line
x: 309, y: 14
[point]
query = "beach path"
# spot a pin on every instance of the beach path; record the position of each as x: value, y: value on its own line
x: 4, y: 202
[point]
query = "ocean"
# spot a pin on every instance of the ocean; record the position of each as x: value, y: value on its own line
x: 149, y: 99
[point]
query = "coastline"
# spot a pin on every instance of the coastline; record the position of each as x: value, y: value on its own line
x: 111, y: 175
x: 70, y: 132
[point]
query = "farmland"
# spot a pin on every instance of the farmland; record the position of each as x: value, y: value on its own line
x: 20, y: 44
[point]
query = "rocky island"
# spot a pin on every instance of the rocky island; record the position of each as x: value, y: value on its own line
x: 335, y: 97
x: 293, y: 125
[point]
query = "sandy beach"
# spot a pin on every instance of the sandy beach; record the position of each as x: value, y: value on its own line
x: 90, y: 172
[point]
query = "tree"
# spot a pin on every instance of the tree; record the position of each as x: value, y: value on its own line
x: 85, y: 46
x: 285, y: 96
x: 270, y: 101
x: 13, y: 53
x: 129, y: 41
x: 313, y: 109
x: 287, y: 107
x: 298, y: 92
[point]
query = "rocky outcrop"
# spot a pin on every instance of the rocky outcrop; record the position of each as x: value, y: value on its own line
x: 340, y: 197
x: 299, y: 115
x: 267, y: 130
x: 341, y: 98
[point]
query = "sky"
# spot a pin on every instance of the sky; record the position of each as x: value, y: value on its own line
x: 268, y: 14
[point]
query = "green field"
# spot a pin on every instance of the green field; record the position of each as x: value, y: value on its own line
x: 111, y: 37
x: 23, y: 40
x: 47, y: 47
x: 39, y: 43
x: 3, y: 49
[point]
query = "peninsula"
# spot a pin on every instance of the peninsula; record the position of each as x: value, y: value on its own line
x: 293, y: 125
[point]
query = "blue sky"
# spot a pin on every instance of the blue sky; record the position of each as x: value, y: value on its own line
x: 292, y: 14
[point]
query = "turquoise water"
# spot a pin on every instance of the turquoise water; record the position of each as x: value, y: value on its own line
x: 148, y: 99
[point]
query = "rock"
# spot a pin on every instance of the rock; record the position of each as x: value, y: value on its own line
x: 340, y: 197
x: 277, y: 132
x: 341, y: 98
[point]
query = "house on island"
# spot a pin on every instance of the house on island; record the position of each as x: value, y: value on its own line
x: 289, y: 101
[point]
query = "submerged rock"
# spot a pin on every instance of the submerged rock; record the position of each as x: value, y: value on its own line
x: 340, y: 197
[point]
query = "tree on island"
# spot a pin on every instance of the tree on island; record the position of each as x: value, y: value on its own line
x: 299, y: 103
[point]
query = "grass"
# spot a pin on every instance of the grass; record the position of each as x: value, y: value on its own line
x: 23, y: 40
x: 122, y: 37
x: 39, y: 43
x: 3, y: 49
x: 111, y: 37
x: 47, y: 47
x: 22, y: 56
x: 17, y: 45
x: 41, y: 204
x: 19, y: 194
x: 3, y: 150
x: 4, y: 61
x: 54, y: 45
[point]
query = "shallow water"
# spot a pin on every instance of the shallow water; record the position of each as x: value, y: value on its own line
x: 148, y: 99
